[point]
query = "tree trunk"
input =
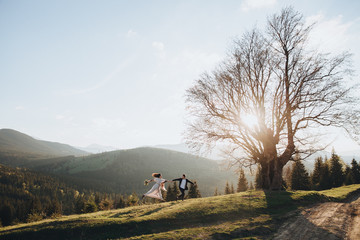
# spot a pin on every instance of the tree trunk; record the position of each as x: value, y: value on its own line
x: 271, y: 175
x: 271, y: 165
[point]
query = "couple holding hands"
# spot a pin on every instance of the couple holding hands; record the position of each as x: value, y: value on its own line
x: 155, y: 191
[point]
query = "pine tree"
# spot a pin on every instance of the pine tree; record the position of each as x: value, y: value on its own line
x: 287, y: 173
x: 90, y: 206
x: 172, y: 192
x: 176, y: 190
x: 132, y: 200
x: 80, y: 205
x: 105, y: 204
x: 355, y: 172
x: 227, y: 188
x: 316, y: 175
x: 216, y: 192
x: 169, y: 194
x: 121, y: 203
x: 194, y: 191
x: 336, y: 171
x: 242, y: 182
x: 97, y: 199
x: 300, y: 179
x: 251, y: 186
x: 325, y: 180
x: 232, y: 190
x: 7, y: 214
x: 54, y: 209
x: 348, y: 177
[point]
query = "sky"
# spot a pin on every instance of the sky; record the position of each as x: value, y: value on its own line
x: 115, y: 72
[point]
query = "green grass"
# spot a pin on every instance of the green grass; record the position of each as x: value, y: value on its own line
x: 248, y: 215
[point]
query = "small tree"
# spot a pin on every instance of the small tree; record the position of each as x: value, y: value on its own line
x: 105, y: 204
x: 227, y: 188
x: 325, y: 180
x: 336, y: 171
x: 251, y: 186
x: 348, y: 177
x: 172, y: 192
x: 7, y: 214
x: 132, y: 199
x: 216, y: 193
x: 169, y: 194
x: 80, y: 204
x: 121, y: 203
x: 90, y: 206
x: 194, y: 191
x: 355, y: 172
x: 287, y: 174
x: 232, y: 190
x: 316, y: 175
x: 300, y: 179
x: 176, y: 190
x: 54, y: 209
x: 242, y: 182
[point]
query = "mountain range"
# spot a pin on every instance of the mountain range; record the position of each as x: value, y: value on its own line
x: 97, y: 148
x: 16, y: 143
x: 121, y: 171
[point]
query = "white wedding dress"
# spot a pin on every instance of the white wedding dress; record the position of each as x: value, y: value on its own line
x: 155, y: 191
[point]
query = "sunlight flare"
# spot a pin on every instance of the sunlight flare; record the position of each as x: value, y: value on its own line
x: 250, y: 120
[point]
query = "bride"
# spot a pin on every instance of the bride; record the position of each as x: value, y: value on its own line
x: 155, y: 191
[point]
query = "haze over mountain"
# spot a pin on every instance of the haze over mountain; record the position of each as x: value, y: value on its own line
x: 97, y: 148
x: 347, y: 156
x: 14, y: 142
x: 215, y: 154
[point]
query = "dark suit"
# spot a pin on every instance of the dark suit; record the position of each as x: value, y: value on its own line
x: 182, y: 190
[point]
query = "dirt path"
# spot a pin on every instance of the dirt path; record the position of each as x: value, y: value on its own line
x: 325, y: 221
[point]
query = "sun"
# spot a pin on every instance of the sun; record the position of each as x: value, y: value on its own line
x: 249, y: 120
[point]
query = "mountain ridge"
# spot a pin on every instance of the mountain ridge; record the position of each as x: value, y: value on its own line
x: 125, y: 170
x: 121, y: 171
x: 15, y: 142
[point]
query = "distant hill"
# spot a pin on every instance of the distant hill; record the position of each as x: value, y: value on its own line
x: 96, y: 148
x: 15, y: 143
x: 181, y: 147
x: 215, y: 154
x: 124, y: 171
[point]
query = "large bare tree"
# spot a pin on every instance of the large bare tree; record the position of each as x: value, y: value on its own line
x: 267, y: 100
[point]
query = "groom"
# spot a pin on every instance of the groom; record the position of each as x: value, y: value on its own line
x: 182, y: 186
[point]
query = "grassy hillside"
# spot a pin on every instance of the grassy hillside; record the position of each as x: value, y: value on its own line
x: 14, y: 143
x: 125, y: 170
x: 254, y: 214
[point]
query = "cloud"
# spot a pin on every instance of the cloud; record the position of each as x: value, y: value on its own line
x: 131, y: 33
x: 248, y: 5
x: 330, y: 35
x: 59, y: 117
x: 19, y: 108
x: 64, y: 118
x: 158, y: 46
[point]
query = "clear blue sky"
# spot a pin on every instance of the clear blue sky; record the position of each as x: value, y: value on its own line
x: 115, y: 72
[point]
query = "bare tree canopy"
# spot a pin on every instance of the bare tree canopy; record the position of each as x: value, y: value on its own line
x: 270, y: 96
